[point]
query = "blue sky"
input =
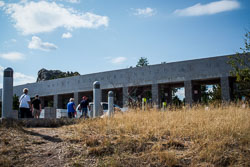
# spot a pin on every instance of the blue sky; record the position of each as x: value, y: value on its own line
x: 91, y: 36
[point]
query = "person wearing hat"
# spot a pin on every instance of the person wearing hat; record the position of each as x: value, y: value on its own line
x: 25, y: 105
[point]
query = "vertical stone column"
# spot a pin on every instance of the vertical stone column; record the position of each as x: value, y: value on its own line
x: 155, y: 95
x: 97, y: 99
x: 225, y: 89
x: 110, y: 103
x: 55, y: 101
x: 188, y: 92
x: 7, y: 93
x: 76, y: 97
x: 125, y: 96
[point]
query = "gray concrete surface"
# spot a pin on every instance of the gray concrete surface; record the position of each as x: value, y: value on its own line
x: 169, y: 73
x: 97, y: 99
x: 7, y: 92
x: 110, y: 103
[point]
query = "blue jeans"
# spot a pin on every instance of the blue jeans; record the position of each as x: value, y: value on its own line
x: 84, y: 112
x: 71, y: 115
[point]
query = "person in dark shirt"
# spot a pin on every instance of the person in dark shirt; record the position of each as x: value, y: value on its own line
x: 36, y: 107
x: 84, y: 106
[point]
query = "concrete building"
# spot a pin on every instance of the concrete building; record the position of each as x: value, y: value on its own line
x: 154, y: 81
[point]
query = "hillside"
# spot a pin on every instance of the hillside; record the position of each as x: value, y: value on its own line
x: 218, y: 136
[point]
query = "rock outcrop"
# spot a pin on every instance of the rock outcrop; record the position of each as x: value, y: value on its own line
x: 45, y: 74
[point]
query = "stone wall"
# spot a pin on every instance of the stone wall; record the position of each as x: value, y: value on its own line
x: 214, y: 67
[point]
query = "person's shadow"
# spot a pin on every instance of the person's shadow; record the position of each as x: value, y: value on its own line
x: 45, y: 137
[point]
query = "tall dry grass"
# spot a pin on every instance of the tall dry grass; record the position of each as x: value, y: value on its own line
x: 216, y: 136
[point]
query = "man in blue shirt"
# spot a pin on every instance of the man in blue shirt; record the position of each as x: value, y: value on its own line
x: 71, y: 108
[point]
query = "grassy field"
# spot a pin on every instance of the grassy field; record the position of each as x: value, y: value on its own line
x: 197, y: 136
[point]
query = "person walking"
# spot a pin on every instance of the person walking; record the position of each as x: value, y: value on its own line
x: 25, y: 105
x: 36, y: 107
x: 84, y: 104
x: 71, y: 107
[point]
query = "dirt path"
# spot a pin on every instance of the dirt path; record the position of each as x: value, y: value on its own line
x: 46, y: 147
x: 42, y: 147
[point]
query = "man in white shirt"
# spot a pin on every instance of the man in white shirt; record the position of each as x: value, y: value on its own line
x: 25, y: 105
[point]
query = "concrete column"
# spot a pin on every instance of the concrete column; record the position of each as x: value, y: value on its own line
x: 125, y: 96
x: 76, y: 97
x: 188, y: 92
x: 55, y: 101
x: 97, y: 99
x: 225, y: 89
x: 7, y: 96
x: 155, y: 95
x: 110, y: 103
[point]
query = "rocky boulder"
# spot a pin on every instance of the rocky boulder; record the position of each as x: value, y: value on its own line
x: 45, y: 74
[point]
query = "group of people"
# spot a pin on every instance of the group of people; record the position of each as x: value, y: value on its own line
x: 83, y: 107
x: 28, y: 108
x: 32, y: 108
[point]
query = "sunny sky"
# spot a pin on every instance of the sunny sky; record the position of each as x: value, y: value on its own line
x: 91, y: 36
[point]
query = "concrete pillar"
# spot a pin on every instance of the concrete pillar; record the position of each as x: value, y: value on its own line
x: 188, y: 92
x: 125, y: 96
x: 97, y: 99
x: 76, y: 98
x: 225, y: 89
x: 7, y: 95
x: 55, y: 101
x: 110, y: 103
x: 155, y: 95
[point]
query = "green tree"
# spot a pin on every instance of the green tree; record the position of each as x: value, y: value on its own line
x: 215, y: 93
x: 143, y: 61
x: 204, y: 94
x: 241, y: 68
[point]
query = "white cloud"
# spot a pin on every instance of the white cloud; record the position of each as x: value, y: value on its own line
x: 13, y: 40
x: 2, y: 3
x: 66, y: 35
x: 145, y: 12
x: 1, y: 71
x: 180, y: 93
x: 37, y: 43
x: 19, y: 78
x: 209, y: 9
x: 12, y: 56
x: 118, y: 60
x: 73, y: 1
x: 43, y: 16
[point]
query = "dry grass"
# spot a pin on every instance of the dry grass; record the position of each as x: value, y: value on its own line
x: 219, y: 136
x: 198, y: 136
x: 11, y: 145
